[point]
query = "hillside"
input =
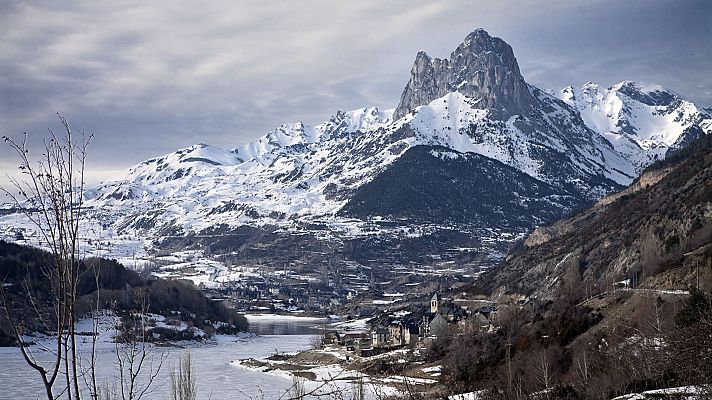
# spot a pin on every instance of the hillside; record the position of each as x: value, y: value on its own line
x: 655, y: 234
x: 27, y: 289
x: 614, y: 300
x: 436, y: 184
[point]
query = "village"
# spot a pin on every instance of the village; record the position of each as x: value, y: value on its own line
x: 410, y: 327
x: 387, y: 348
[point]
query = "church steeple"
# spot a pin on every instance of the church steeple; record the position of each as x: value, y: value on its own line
x: 435, y: 303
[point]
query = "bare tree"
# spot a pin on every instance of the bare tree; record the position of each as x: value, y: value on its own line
x: 50, y: 193
x: 544, y: 370
x: 316, y: 341
x: 357, y: 389
x: 107, y: 392
x: 690, y: 343
x: 582, y: 365
x: 89, y: 371
x: 137, y: 363
x: 297, y: 391
x: 183, y: 385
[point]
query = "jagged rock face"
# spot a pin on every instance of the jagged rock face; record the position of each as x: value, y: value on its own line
x: 482, y: 67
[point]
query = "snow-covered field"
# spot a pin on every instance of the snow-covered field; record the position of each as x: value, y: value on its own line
x: 332, y: 378
x: 354, y: 326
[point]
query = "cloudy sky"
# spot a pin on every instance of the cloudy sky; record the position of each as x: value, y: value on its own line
x: 150, y: 77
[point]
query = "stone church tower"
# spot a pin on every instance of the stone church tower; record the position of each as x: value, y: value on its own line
x: 435, y: 303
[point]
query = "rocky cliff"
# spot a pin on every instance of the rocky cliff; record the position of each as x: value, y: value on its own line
x: 482, y: 67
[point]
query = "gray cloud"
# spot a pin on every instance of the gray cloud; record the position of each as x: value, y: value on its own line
x: 149, y: 77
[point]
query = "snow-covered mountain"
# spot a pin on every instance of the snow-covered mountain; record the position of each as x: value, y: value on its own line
x: 481, y: 126
x: 642, y: 121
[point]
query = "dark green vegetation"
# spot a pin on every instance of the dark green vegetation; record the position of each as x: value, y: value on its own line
x: 436, y: 184
x: 28, y: 293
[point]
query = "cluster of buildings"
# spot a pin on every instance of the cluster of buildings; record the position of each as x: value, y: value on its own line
x: 389, y: 332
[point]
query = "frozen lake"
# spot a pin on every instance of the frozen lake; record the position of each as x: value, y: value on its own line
x: 216, y: 378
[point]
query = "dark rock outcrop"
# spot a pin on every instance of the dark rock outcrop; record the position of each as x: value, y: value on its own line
x: 482, y: 67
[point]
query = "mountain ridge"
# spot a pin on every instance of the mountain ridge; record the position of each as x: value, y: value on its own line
x: 301, y: 174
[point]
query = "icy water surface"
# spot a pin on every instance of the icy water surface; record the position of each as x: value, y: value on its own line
x: 216, y: 378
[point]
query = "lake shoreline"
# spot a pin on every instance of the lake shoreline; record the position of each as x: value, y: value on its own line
x: 215, y: 376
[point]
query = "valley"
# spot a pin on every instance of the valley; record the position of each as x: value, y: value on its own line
x: 485, y: 238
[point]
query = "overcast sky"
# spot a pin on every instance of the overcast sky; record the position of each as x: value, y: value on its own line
x: 151, y: 77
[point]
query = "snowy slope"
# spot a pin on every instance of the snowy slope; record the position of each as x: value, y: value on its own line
x: 300, y: 172
x: 292, y: 171
x: 303, y: 172
x: 523, y: 142
x: 291, y: 134
x: 581, y: 144
x: 641, y: 121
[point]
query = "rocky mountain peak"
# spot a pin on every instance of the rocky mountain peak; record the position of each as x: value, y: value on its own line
x: 479, y: 43
x: 461, y: 153
x: 648, y: 94
x: 422, y: 56
x: 482, y: 67
x: 568, y: 94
